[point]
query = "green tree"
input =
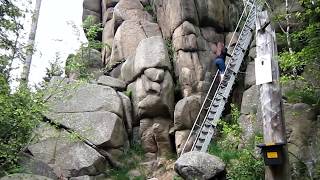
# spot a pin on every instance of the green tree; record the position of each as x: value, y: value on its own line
x: 20, y: 111
x: 304, y: 55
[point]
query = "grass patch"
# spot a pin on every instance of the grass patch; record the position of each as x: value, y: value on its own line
x: 131, y: 160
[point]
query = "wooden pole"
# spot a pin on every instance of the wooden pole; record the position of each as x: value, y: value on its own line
x: 270, y: 96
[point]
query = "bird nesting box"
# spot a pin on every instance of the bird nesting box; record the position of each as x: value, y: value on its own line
x: 273, y: 153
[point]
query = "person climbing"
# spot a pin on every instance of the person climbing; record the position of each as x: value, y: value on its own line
x: 221, y: 53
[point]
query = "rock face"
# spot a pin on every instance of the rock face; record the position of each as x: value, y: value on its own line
x: 151, y: 88
x: 22, y: 176
x: 199, y: 165
x: 137, y: 54
x: 112, y: 82
x: 90, y: 119
x: 302, y: 126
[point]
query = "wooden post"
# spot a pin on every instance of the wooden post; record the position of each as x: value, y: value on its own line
x: 270, y: 96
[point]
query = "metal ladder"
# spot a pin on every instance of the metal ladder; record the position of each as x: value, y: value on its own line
x: 216, y: 98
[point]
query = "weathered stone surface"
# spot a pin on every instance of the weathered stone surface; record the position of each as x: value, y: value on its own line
x: 155, y: 135
x: 128, y: 37
x: 186, y: 28
x: 151, y: 53
x: 80, y: 159
x: 131, y: 10
x: 250, y: 100
x: 247, y: 124
x: 250, y: 77
x: 186, y: 112
x: 36, y: 167
x: 252, y: 53
x: 87, y: 98
x: 186, y: 43
x: 190, y: 71
x: 211, y: 35
x: 155, y: 75
x: 108, y: 3
x: 127, y: 111
x: 82, y: 178
x: 232, y: 39
x: 107, y: 15
x: 171, y: 14
x: 199, y: 165
x: 23, y: 176
x: 112, y: 82
x: 180, y: 140
x: 91, y: 14
x: 68, y: 158
x: 108, y: 33
x: 301, y: 127
x: 93, y: 5
x: 109, y: 134
x: 213, y: 12
x: 91, y: 59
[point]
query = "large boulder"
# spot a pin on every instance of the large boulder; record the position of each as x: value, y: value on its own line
x: 171, y: 14
x: 189, y: 70
x: 89, y: 58
x: 154, y: 134
x: 23, y: 176
x: 131, y: 10
x: 186, y: 111
x: 86, y: 98
x: 250, y: 77
x: 127, y: 108
x: 109, y: 134
x: 214, y: 13
x: 151, y: 98
x: 180, y: 139
x: 199, y: 165
x: 151, y: 53
x: 93, y: 5
x: 301, y: 127
x: 210, y: 34
x: 250, y: 100
x: 112, y: 82
x: 128, y: 37
x: 64, y: 153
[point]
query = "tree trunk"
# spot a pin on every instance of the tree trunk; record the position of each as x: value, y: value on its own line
x: 30, y: 45
x: 270, y: 96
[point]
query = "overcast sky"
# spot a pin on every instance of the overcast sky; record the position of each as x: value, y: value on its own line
x: 55, y: 34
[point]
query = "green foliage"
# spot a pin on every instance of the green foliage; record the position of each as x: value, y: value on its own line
x: 54, y: 69
x: 92, y: 30
x: 128, y: 93
x: 305, y: 42
x: 149, y: 9
x: 305, y: 94
x: 130, y: 160
x: 170, y: 49
x: 10, y: 32
x: 20, y: 112
x: 241, y: 163
x: 78, y: 63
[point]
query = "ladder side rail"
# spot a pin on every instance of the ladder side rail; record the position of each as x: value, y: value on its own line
x: 238, y: 24
x: 200, y: 111
x: 204, y: 119
x: 228, y: 66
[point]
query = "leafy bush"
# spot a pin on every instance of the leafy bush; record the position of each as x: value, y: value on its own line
x: 241, y: 163
x: 20, y: 112
x: 78, y: 63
